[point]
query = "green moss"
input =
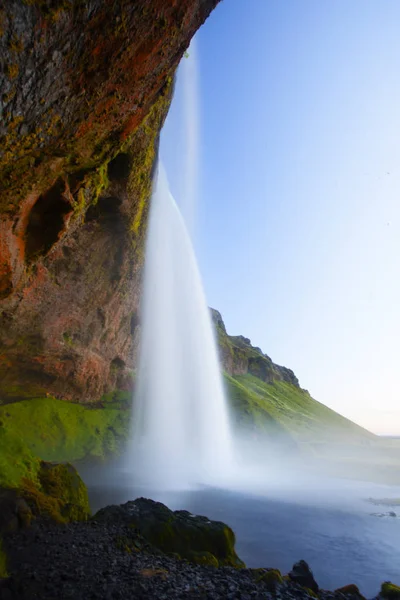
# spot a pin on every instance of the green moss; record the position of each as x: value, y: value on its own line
x: 311, y: 592
x: 350, y: 590
x: 55, y: 430
x: 203, y: 558
x: 3, y: 561
x: 59, y: 494
x: 272, y: 578
x: 17, y: 461
x: 63, y: 483
x: 390, y: 591
x: 67, y: 337
x: 195, y: 539
x: 140, y: 181
x: 94, y: 182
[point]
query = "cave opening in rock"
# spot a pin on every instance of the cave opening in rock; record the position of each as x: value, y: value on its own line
x: 119, y: 167
x: 46, y: 221
x: 107, y: 210
x: 117, y: 364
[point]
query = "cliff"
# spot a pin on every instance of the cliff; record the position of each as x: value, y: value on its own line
x: 239, y: 357
x: 85, y: 90
x: 267, y: 398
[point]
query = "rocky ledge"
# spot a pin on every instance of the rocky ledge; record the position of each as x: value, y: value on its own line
x: 85, y: 87
x: 144, y: 550
x: 239, y: 357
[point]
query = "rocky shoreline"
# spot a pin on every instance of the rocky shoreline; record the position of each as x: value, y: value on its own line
x: 108, y: 557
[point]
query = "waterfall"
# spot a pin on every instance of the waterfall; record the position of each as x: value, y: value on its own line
x: 180, y: 423
x: 189, y: 76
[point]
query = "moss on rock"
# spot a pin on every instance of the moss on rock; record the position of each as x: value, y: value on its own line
x: 55, y: 430
x: 350, y: 590
x: 194, y: 538
x: 272, y: 578
x: 202, y: 558
x: 390, y: 591
x: 3, y: 561
x: 60, y: 494
x: 64, y: 483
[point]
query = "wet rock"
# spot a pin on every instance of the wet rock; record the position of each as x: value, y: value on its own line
x: 59, y: 494
x: 271, y: 577
x: 389, y: 591
x: 350, y: 591
x: 14, y: 511
x: 302, y: 575
x: 193, y: 537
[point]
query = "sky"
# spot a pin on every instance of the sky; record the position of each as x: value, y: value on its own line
x: 297, y: 227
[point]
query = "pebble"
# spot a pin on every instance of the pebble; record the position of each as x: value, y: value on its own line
x: 83, y: 561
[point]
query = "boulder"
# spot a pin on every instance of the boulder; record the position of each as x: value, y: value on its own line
x: 302, y: 574
x: 192, y: 537
x: 350, y: 591
x: 389, y: 591
x: 272, y: 578
x: 15, y: 512
x: 60, y: 493
x: 3, y: 561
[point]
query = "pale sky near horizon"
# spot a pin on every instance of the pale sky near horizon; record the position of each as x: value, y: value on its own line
x: 298, y: 228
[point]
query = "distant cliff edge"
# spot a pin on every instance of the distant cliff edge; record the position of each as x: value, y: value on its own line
x: 239, y: 357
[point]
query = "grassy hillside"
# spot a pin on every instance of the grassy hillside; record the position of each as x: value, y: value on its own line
x: 54, y: 430
x: 267, y: 398
x: 283, y: 407
x: 328, y: 443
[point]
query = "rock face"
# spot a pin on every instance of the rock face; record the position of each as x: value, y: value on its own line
x: 58, y: 494
x: 177, y: 532
x: 239, y: 357
x: 389, y: 591
x: 85, y: 90
x: 302, y: 574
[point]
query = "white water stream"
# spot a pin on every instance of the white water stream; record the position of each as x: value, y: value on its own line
x: 180, y: 423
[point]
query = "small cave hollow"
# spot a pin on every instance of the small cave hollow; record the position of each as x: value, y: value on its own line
x: 117, y: 364
x: 46, y: 221
x: 106, y: 209
x: 119, y: 167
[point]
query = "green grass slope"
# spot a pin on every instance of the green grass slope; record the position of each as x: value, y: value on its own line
x: 284, y: 408
x: 54, y: 430
x: 267, y: 398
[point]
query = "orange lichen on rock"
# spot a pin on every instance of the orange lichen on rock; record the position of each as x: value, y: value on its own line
x: 71, y: 236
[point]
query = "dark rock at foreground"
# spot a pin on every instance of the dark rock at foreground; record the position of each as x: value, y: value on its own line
x: 110, y: 557
x: 302, y: 575
x: 106, y: 560
x: 179, y: 533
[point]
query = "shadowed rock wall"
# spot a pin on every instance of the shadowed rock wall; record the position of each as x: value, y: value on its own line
x: 85, y: 88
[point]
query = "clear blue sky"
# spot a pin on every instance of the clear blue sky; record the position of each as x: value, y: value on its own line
x: 298, y: 229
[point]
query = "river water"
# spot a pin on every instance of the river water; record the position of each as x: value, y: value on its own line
x: 328, y: 523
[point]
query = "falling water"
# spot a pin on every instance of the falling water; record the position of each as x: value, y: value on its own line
x: 181, y: 430
x: 189, y: 74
